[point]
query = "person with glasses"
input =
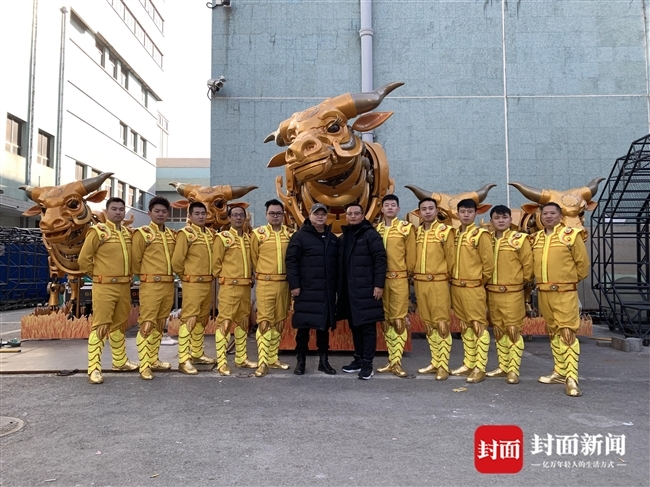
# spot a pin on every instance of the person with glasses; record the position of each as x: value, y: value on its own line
x: 312, y: 265
x: 268, y: 250
x: 232, y: 267
x: 362, y: 274
x: 192, y: 261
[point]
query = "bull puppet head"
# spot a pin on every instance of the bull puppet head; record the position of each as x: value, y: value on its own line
x: 574, y: 202
x: 215, y: 199
x: 63, y: 211
x: 448, y: 203
x: 319, y: 142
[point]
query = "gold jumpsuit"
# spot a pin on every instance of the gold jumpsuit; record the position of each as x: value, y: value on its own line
x: 232, y: 267
x: 151, y: 252
x: 561, y: 261
x: 268, y: 252
x: 106, y: 256
x: 399, y: 241
x: 473, y: 267
x: 192, y: 261
x: 513, y: 274
x: 434, y: 260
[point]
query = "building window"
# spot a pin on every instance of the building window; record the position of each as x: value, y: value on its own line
x: 130, y: 197
x: 124, y: 76
x: 45, y: 146
x: 134, y: 141
x: 108, y: 187
x: 14, y: 140
x: 143, y: 147
x: 140, y: 201
x: 102, y: 53
x: 79, y: 171
x: 135, y: 27
x: 112, y: 65
x: 139, y: 33
x: 178, y: 215
x: 124, y: 134
x: 145, y: 97
x: 120, y: 190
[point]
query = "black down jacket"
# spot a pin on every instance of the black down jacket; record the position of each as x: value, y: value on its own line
x: 362, y: 267
x: 312, y: 265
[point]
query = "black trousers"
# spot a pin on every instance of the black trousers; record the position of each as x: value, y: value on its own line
x: 365, y: 340
x: 302, y: 340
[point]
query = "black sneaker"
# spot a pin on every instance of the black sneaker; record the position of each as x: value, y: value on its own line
x: 366, y: 371
x: 355, y: 366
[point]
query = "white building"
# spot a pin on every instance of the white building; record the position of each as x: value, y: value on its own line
x: 81, y: 81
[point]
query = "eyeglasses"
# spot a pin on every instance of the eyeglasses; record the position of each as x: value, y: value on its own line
x: 237, y: 215
x: 275, y: 213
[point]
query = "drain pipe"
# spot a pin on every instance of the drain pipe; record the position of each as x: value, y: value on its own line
x: 59, y: 124
x: 366, y: 34
x: 30, y: 99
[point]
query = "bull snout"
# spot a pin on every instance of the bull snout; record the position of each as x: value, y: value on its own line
x: 305, y: 150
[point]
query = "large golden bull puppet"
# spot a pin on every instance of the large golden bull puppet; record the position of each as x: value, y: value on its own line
x: 574, y: 202
x: 326, y: 162
x: 65, y: 221
x: 448, y: 203
x: 215, y: 199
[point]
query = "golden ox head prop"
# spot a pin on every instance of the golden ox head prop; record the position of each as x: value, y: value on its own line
x: 215, y: 198
x: 448, y: 203
x: 574, y: 202
x: 327, y: 162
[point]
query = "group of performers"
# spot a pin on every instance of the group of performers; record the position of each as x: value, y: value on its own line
x: 470, y: 270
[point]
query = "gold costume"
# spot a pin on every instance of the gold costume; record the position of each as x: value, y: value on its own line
x: 434, y: 260
x: 105, y: 256
x: 399, y: 241
x: 232, y: 267
x: 472, y: 269
x: 513, y: 274
x: 268, y: 251
x: 561, y: 261
x: 151, y: 255
x: 192, y: 261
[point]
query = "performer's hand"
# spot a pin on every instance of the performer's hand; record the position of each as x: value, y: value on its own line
x: 295, y: 292
x: 377, y: 293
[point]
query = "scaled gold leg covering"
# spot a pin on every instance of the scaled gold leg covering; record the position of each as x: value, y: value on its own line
x: 389, y: 337
x: 117, y: 340
x: 444, y: 350
x: 434, y: 344
x: 221, y: 338
x: 482, y: 346
x: 241, y: 354
x: 96, y: 341
x: 196, y: 342
x: 264, y: 338
x: 399, y: 342
x: 184, y: 349
x: 469, y: 350
x: 569, y: 350
x: 157, y: 335
x: 503, y: 353
x: 273, y: 358
x: 515, y: 352
x: 145, y: 342
x: 558, y: 376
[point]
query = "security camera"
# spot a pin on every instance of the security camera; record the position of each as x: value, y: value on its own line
x: 214, y: 85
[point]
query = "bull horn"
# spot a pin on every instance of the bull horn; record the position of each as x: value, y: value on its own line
x: 533, y: 194
x: 180, y: 187
x: 28, y: 190
x: 365, y: 102
x: 239, y: 191
x: 91, y: 184
x: 483, y: 192
x: 593, y: 186
x: 419, y: 192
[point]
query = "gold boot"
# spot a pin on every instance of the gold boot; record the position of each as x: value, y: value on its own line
x: 145, y: 344
x: 241, y: 356
x: 401, y: 335
x: 389, y: 337
x: 274, y: 347
x: 96, y: 341
x: 279, y: 365
x: 554, y: 378
x: 385, y: 369
x: 95, y: 377
x: 442, y: 374
x: 223, y: 369
x: 502, y: 355
x: 469, y: 349
x: 477, y: 375
x: 398, y: 370
x: 515, y: 352
x: 203, y: 360
x: 513, y: 378
x: 429, y: 369
x: 572, y: 389
x: 117, y: 340
x: 146, y: 374
x: 187, y: 368
x: 557, y: 376
x: 432, y: 339
x: 127, y: 366
x: 262, y: 370
x: 462, y: 370
x: 160, y: 365
x: 569, y: 348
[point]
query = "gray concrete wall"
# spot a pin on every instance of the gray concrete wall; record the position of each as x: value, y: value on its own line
x: 576, y: 91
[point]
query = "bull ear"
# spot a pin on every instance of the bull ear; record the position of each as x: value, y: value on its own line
x: 277, y: 160
x: 591, y: 205
x: 180, y: 204
x: 97, y: 197
x: 529, y: 208
x: 482, y: 209
x: 370, y: 121
x: 33, y: 211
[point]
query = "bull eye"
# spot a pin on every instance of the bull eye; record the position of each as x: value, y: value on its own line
x: 334, y: 128
x: 218, y: 204
x: 73, y: 204
x: 43, y: 210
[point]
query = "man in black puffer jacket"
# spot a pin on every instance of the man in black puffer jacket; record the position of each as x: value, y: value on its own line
x: 312, y: 266
x: 362, y: 272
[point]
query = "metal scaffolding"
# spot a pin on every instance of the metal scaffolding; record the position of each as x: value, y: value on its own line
x: 620, y: 242
x: 24, y: 271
